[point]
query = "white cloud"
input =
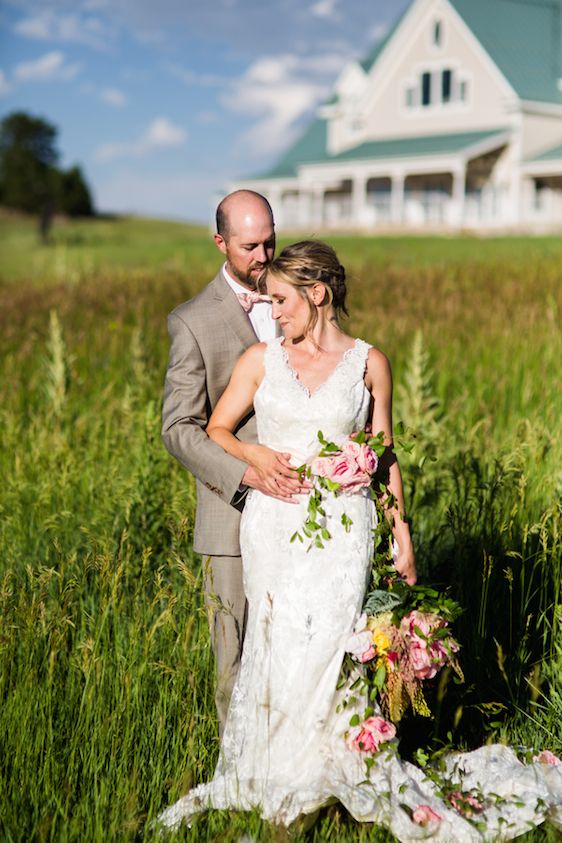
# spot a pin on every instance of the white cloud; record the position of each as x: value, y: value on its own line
x: 112, y: 96
x: 160, y: 134
x: 50, y: 26
x: 49, y: 67
x: 324, y: 9
x: 5, y: 86
x: 279, y: 90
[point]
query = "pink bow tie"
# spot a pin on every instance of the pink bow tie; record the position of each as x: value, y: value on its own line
x: 248, y: 300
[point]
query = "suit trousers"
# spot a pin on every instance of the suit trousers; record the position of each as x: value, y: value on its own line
x: 226, y: 610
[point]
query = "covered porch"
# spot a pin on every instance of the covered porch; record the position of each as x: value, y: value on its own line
x: 400, y: 184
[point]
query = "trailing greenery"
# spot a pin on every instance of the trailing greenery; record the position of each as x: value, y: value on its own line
x: 106, y: 686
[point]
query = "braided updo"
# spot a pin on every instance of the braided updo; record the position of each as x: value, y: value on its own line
x: 307, y: 263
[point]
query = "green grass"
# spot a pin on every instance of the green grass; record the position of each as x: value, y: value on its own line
x: 107, y: 708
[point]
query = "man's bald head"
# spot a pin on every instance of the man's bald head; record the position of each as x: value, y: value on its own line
x: 232, y: 210
x: 245, y: 235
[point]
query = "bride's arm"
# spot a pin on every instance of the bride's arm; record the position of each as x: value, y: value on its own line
x: 269, y: 471
x: 379, y: 382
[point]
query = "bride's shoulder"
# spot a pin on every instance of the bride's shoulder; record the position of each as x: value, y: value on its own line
x: 378, y: 369
x: 252, y: 359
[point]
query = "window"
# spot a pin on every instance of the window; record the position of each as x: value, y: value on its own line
x: 426, y: 88
x: 437, y: 33
x: 463, y: 90
x: 410, y: 97
x: 446, y: 85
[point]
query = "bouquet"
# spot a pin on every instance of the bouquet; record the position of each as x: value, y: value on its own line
x: 340, y: 469
x: 403, y: 637
x: 402, y: 640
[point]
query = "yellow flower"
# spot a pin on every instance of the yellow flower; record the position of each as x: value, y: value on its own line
x: 381, y: 640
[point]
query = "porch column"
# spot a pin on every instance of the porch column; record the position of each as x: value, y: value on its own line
x: 274, y: 197
x: 304, y: 213
x: 397, y: 198
x: 317, y: 209
x: 358, y: 200
x: 456, y: 216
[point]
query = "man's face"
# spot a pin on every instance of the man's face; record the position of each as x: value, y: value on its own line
x: 250, y: 245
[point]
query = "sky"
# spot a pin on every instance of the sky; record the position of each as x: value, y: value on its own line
x: 163, y: 103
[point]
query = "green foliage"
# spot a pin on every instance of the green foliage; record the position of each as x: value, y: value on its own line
x: 29, y: 178
x: 74, y: 194
x: 106, y: 686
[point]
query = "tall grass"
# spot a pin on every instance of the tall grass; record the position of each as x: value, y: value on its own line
x: 105, y: 666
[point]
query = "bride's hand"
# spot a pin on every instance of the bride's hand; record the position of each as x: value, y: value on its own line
x: 271, y: 473
x: 405, y: 564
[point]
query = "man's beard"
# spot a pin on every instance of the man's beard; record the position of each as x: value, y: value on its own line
x: 245, y: 277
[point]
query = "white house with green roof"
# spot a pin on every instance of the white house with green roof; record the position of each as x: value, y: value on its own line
x: 454, y: 121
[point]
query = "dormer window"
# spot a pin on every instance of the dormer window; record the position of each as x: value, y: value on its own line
x: 437, y: 33
x: 434, y: 89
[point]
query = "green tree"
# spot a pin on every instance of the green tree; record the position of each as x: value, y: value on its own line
x: 74, y: 195
x: 28, y: 159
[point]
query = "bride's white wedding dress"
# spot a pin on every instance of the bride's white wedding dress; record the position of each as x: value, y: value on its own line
x: 283, y: 748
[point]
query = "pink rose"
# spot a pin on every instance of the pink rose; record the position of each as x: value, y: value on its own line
x: 424, y: 815
x: 369, y: 736
x: 367, y: 460
x: 464, y: 803
x: 392, y: 657
x: 422, y: 663
x: 547, y: 757
x: 341, y: 469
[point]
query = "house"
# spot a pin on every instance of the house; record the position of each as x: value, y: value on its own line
x: 453, y: 121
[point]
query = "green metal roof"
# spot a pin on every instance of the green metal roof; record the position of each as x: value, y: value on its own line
x: 524, y: 38
x: 421, y: 145
x: 550, y: 154
x: 375, y: 150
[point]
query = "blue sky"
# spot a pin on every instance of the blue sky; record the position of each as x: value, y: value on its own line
x: 163, y: 102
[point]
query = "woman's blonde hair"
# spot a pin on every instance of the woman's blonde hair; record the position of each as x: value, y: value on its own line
x: 307, y: 263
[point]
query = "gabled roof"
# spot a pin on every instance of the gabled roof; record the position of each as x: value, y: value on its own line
x: 524, y: 39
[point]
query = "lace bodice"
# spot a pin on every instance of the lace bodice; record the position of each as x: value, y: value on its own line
x: 289, y: 416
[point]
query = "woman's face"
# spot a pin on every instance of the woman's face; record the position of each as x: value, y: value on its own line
x: 289, y: 307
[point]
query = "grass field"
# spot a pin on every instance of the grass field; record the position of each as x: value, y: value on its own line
x: 106, y: 673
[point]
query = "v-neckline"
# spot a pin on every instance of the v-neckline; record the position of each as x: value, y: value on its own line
x: 296, y: 377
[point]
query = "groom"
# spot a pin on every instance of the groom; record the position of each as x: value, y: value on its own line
x: 208, y: 334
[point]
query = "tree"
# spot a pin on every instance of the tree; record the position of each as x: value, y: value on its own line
x: 74, y: 195
x: 28, y: 158
x: 29, y: 177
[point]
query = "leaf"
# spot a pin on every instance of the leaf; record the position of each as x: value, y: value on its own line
x: 355, y: 720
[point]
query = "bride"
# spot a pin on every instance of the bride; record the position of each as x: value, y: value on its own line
x: 284, y: 747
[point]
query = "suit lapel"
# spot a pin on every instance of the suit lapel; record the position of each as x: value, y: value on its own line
x: 232, y: 312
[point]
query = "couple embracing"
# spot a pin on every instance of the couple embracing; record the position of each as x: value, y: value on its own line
x: 258, y: 365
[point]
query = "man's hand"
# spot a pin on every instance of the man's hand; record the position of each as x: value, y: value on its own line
x: 271, y: 473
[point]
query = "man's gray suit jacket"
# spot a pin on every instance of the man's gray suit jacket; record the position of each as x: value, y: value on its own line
x: 208, y: 334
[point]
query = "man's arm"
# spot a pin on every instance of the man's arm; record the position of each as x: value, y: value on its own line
x: 184, y: 417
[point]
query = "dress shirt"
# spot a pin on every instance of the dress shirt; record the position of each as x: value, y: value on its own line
x: 260, y: 316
